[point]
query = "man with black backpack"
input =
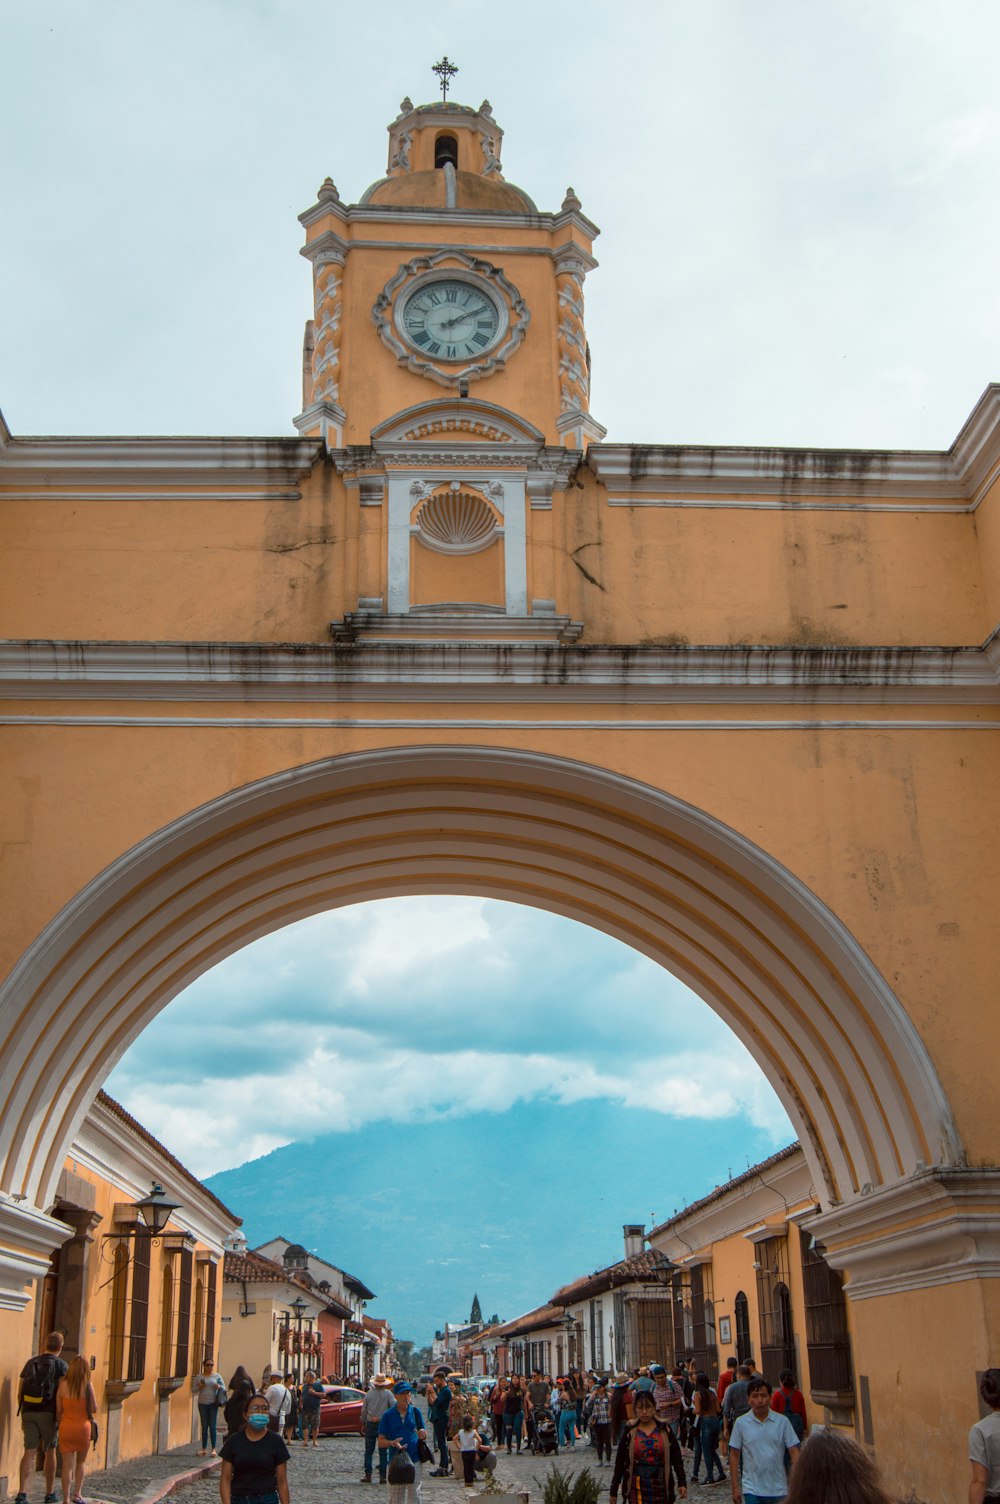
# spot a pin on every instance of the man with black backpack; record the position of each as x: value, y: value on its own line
x: 36, y: 1405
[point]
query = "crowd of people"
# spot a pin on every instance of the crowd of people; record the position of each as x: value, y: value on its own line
x: 645, y: 1426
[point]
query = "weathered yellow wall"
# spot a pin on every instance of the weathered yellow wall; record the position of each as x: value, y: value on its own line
x: 18, y: 1344
x: 281, y: 571
x: 248, y: 1339
x: 904, y: 1344
x: 435, y: 578
x: 662, y: 574
x: 912, y: 869
x: 987, y: 525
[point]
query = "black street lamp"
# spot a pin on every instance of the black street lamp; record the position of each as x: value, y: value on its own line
x: 156, y: 1209
x: 299, y: 1307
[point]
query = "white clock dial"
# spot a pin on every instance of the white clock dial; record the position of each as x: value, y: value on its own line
x: 451, y: 319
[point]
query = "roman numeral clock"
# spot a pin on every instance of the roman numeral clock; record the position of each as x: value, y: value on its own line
x: 451, y: 317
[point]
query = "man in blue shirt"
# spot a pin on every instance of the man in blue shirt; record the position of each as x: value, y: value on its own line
x: 761, y: 1439
x: 402, y: 1426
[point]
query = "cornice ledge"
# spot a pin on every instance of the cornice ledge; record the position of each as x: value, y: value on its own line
x: 938, y: 1227
x: 219, y: 462
x: 416, y: 454
x: 659, y: 469
x: 438, y: 215
x: 438, y: 628
x: 976, y: 451
x: 28, y: 1238
x: 991, y: 652
x: 52, y: 666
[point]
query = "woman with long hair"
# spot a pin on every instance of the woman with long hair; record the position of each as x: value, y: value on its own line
x: 567, y: 1414
x: 513, y: 1411
x: 648, y: 1458
x: 833, y: 1469
x: 76, y: 1407
x: 241, y: 1388
x: 707, y: 1429
x: 497, y: 1401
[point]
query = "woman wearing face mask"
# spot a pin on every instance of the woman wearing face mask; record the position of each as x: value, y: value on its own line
x: 254, y: 1461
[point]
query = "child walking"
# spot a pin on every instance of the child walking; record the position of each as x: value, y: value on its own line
x: 469, y: 1444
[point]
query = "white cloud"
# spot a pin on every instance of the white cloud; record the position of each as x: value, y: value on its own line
x: 331, y: 1092
x: 424, y: 1008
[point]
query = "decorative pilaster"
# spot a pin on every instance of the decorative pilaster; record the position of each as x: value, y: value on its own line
x: 322, y: 416
x: 572, y: 264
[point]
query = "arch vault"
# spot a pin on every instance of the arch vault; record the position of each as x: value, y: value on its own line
x: 630, y: 860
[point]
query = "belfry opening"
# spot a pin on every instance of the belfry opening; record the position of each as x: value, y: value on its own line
x: 445, y: 151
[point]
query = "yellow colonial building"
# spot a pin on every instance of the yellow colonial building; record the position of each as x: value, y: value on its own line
x: 134, y: 1284
x: 736, y: 706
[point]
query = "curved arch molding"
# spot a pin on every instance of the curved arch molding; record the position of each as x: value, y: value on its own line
x: 654, y: 872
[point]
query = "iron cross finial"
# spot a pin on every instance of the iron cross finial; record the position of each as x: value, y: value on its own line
x: 446, y: 72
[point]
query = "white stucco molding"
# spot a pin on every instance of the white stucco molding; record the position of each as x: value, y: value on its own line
x: 700, y: 475
x: 470, y: 419
x: 940, y: 1226
x: 434, y: 627
x: 221, y: 672
x: 28, y: 1239
x: 221, y: 468
x: 513, y: 310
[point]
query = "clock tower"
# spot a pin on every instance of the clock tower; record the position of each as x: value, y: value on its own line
x: 446, y: 369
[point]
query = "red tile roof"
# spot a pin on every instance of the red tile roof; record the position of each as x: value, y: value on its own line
x: 256, y: 1269
x: 640, y: 1268
x: 531, y: 1321
x: 731, y: 1185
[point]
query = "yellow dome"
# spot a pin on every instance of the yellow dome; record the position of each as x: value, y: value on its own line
x: 428, y: 190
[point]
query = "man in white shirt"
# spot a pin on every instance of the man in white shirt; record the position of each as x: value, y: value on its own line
x: 761, y: 1440
x: 279, y: 1402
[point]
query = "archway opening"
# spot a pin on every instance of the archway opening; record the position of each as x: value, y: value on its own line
x: 671, y: 882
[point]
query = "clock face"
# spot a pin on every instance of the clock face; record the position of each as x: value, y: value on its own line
x: 451, y: 319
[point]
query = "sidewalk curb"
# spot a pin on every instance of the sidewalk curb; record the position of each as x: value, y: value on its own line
x: 163, y: 1489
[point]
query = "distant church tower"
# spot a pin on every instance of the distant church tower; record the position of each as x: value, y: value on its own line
x: 447, y: 369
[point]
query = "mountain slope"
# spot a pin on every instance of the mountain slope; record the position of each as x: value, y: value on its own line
x: 511, y: 1204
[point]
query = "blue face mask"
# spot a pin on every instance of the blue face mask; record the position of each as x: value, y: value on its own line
x: 258, y: 1419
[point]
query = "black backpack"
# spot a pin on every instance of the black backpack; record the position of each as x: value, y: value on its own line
x: 39, y: 1381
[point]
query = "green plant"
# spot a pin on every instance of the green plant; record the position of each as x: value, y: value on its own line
x: 490, y: 1484
x: 569, y: 1488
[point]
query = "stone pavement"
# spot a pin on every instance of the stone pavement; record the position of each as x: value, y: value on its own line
x: 333, y: 1469
x: 330, y: 1471
x: 141, y: 1481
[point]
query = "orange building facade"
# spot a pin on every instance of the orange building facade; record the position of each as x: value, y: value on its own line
x: 737, y: 707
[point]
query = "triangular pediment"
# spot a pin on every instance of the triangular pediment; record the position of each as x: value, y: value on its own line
x: 458, y: 421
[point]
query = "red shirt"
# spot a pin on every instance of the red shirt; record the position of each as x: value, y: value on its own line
x: 786, y: 1400
x: 724, y: 1382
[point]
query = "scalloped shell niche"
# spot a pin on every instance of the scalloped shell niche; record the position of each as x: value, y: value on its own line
x: 456, y: 522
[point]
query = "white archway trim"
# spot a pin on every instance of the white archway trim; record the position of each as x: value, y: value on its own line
x: 665, y: 878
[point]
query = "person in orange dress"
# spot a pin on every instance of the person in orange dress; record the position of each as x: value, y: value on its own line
x: 76, y: 1407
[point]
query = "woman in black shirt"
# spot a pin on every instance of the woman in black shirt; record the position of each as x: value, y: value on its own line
x: 254, y: 1461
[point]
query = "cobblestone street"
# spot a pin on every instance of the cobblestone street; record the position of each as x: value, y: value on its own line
x: 331, y: 1471
x: 334, y: 1468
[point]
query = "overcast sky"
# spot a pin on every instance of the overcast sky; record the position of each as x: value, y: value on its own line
x: 410, y: 1009
x: 798, y: 199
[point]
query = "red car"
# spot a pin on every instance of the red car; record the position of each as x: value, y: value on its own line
x: 340, y: 1411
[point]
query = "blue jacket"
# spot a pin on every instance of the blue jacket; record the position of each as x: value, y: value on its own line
x: 403, y: 1427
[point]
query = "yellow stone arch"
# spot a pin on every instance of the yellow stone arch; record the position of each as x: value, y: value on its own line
x: 628, y: 859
